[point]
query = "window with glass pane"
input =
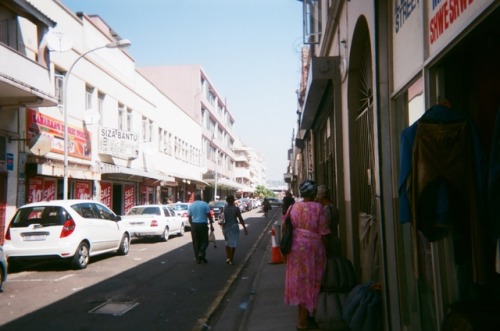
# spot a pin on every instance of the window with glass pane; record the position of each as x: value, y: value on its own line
x: 150, y: 130
x: 212, y: 125
x: 129, y: 119
x: 59, y: 86
x: 169, y: 143
x: 176, y: 147
x: 100, y: 106
x: 147, y: 129
x: 121, y: 114
x: 89, y: 91
x: 312, y: 21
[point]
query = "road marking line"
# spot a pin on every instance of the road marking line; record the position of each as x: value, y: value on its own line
x: 63, y: 277
x: 41, y: 279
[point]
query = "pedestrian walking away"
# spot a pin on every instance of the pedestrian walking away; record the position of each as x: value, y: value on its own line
x: 200, y: 219
x: 306, y: 261
x: 266, y: 206
x: 231, y: 228
x: 288, y: 200
x: 332, y: 217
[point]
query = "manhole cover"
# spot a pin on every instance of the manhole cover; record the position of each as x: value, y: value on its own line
x: 114, y: 308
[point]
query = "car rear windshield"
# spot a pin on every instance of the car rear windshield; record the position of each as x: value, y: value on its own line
x: 179, y: 207
x: 43, y: 215
x: 218, y: 204
x: 145, y: 211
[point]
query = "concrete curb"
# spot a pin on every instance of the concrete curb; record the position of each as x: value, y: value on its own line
x: 248, y: 312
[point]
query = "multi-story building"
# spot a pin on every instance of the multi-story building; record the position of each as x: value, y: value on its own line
x: 190, y: 88
x: 398, y: 109
x: 24, y: 82
x: 79, y: 121
x: 248, y: 169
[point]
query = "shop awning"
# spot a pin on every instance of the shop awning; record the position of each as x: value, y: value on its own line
x: 192, y: 179
x: 129, y: 173
x: 321, y: 72
x: 226, y: 183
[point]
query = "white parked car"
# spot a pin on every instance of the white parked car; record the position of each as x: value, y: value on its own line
x: 71, y: 229
x: 153, y: 221
x: 182, y: 209
x: 3, y: 268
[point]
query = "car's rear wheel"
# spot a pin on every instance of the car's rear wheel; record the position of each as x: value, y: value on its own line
x: 81, y: 258
x: 182, y: 230
x: 165, y: 235
x: 124, y: 245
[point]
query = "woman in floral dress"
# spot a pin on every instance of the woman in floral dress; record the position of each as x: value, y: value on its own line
x: 306, y: 261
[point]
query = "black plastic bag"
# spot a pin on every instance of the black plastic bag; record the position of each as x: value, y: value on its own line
x: 286, y: 237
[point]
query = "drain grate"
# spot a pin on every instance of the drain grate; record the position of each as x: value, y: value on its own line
x: 114, y: 308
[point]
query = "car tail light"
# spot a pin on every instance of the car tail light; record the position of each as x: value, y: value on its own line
x: 184, y: 214
x: 68, y: 228
x: 7, y: 234
x: 154, y: 223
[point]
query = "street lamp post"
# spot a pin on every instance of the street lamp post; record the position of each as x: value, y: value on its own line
x: 216, y: 174
x: 116, y: 44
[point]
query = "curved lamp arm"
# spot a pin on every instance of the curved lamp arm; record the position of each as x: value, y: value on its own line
x: 116, y: 44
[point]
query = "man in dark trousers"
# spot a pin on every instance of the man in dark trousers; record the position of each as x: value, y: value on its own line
x: 199, y: 218
x: 288, y: 200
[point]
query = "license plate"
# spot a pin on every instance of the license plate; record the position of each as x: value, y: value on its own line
x: 35, y: 237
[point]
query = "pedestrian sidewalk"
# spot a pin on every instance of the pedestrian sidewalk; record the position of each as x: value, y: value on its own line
x: 268, y: 311
x: 256, y: 303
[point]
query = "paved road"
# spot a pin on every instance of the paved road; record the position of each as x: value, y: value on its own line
x: 157, y: 286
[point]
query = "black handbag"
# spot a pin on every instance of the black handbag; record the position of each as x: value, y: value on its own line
x: 286, y: 237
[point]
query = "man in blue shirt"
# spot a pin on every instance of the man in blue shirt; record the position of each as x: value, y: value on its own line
x: 199, y: 218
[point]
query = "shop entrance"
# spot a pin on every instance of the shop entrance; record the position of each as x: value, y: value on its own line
x: 118, y: 199
x: 460, y: 264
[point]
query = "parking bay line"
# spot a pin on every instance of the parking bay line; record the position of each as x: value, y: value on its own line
x: 41, y: 279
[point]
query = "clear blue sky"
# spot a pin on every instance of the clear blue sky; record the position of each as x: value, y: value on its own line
x: 250, y: 50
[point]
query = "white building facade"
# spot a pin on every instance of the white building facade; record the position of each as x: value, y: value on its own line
x: 24, y: 82
x: 249, y: 168
x: 127, y: 142
x: 190, y: 88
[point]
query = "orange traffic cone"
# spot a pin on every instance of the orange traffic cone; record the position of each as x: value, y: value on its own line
x: 276, y: 253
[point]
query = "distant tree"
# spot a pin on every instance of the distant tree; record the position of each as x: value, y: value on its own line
x: 261, y: 192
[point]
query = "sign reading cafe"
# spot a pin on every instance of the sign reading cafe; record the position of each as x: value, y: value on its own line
x: 118, y: 143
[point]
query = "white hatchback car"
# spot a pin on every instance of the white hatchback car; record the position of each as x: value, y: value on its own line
x: 72, y: 230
